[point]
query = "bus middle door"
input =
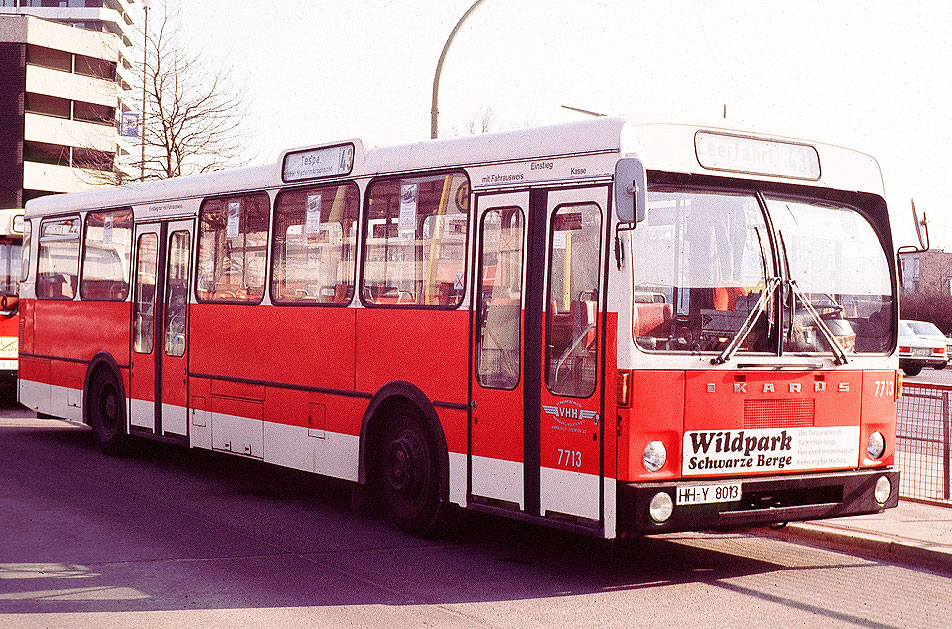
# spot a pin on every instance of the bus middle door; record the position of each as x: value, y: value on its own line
x: 497, y: 475
x: 157, y: 384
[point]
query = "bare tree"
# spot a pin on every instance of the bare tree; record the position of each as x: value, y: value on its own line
x: 481, y: 121
x: 193, y: 113
x: 194, y: 116
x: 484, y: 120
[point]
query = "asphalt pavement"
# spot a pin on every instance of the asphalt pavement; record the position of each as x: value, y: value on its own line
x: 914, y: 533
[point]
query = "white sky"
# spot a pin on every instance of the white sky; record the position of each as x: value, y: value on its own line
x: 875, y: 76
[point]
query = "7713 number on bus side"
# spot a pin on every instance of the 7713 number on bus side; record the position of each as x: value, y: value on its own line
x: 570, y: 458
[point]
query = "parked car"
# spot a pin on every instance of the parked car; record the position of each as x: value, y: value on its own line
x: 930, y: 332
x: 916, y: 352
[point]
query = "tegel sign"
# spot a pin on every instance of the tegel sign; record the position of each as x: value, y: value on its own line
x: 742, y: 154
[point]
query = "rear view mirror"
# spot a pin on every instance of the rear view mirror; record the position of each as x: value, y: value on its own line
x: 922, y: 227
x: 630, y: 190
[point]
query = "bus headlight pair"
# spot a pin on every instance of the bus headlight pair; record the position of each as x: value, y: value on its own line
x: 661, y: 505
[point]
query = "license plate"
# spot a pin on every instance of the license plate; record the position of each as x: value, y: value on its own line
x: 920, y: 352
x: 706, y: 494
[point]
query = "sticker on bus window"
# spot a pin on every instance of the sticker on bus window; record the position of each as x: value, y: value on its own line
x: 408, y: 210
x: 312, y: 224
x: 568, y: 221
x: 107, y: 230
x: 234, y: 212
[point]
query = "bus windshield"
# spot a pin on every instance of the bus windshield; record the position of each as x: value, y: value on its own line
x: 10, y: 261
x: 838, y: 263
x: 702, y: 261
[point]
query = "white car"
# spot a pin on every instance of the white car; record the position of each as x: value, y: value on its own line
x: 916, y: 351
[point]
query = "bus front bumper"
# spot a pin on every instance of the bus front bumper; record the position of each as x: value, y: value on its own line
x: 764, y: 500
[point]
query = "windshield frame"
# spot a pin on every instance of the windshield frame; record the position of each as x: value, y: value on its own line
x: 866, y: 206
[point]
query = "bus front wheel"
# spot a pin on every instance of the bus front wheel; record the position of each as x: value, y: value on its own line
x: 106, y: 414
x: 410, y: 475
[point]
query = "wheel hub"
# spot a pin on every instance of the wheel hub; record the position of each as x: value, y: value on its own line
x: 110, y: 408
x: 406, y: 466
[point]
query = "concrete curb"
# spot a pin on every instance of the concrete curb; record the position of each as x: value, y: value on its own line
x: 884, y: 545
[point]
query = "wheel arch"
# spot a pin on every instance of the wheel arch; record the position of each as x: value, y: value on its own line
x: 371, y: 428
x: 103, y: 360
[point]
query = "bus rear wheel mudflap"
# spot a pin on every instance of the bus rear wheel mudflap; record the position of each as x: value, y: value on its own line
x: 106, y: 412
x: 410, y: 474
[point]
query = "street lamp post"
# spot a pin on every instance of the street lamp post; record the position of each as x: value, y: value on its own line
x: 145, y: 60
x: 435, y: 110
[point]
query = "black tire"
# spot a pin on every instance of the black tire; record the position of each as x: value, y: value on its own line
x: 410, y: 475
x: 942, y: 366
x: 912, y: 371
x: 106, y: 413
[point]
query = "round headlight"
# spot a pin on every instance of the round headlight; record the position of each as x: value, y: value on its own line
x: 654, y: 456
x: 882, y: 491
x: 661, y: 507
x: 876, y: 445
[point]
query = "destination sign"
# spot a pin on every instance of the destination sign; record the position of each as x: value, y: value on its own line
x: 741, y: 154
x: 328, y: 161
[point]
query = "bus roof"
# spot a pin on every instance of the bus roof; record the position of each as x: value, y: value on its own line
x: 661, y: 146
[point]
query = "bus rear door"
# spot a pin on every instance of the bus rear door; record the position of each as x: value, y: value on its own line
x: 157, y: 384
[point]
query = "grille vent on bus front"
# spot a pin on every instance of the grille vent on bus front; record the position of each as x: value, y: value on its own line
x: 778, y: 413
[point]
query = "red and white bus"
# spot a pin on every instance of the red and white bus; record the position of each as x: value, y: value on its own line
x: 11, y: 237
x: 606, y: 326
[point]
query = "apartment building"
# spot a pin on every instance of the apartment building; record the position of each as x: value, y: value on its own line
x: 65, y: 70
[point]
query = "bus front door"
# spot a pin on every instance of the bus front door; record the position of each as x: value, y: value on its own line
x: 157, y: 384
x: 571, y: 431
x: 536, y: 396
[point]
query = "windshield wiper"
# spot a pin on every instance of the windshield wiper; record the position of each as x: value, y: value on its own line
x: 748, y: 326
x: 839, y: 354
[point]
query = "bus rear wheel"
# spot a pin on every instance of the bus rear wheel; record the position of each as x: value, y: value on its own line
x: 106, y: 414
x: 410, y: 475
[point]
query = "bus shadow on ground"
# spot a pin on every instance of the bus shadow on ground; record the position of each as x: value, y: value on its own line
x: 174, y: 529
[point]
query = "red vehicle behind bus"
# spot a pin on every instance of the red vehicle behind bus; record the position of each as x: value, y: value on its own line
x: 11, y: 237
x: 605, y: 326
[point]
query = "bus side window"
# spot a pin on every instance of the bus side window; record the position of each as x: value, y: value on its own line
x: 415, y: 241
x: 58, y: 268
x: 314, y: 249
x: 232, y: 245
x: 108, y: 245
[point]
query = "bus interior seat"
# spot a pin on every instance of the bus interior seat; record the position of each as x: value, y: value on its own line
x: 343, y: 293
x: 584, y: 314
x: 653, y: 319
x: 559, y: 326
x: 445, y: 294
